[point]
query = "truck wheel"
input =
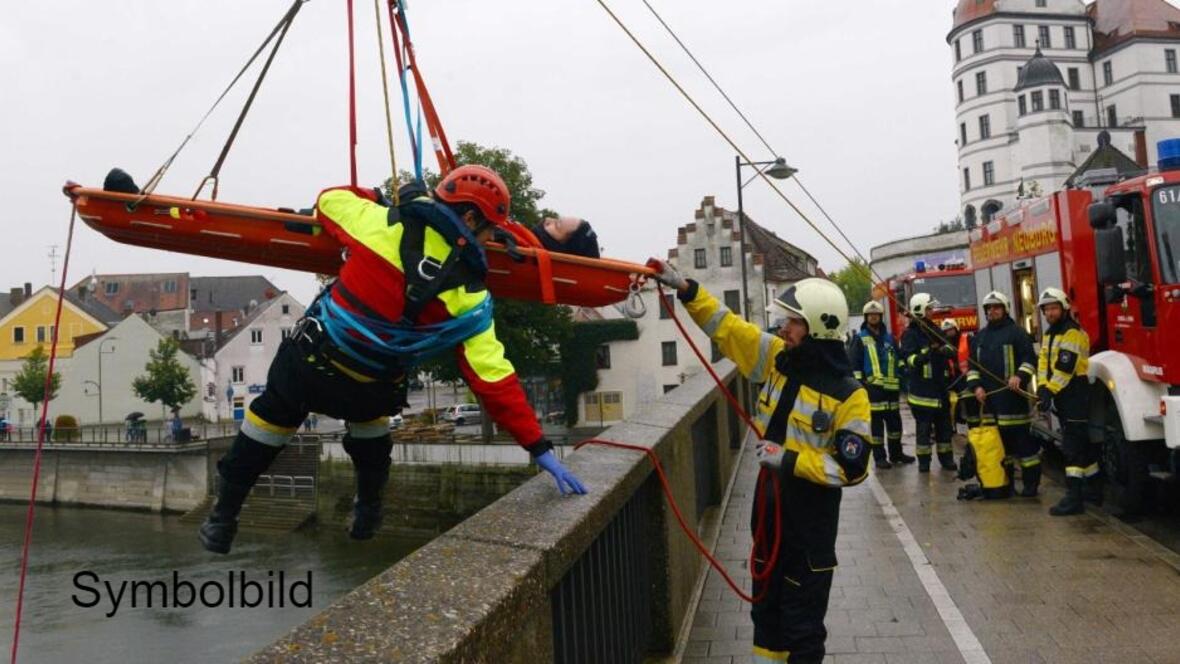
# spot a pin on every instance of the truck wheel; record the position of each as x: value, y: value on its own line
x: 1123, y: 462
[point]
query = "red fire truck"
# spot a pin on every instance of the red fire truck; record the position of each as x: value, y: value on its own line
x: 952, y: 285
x: 1113, y: 246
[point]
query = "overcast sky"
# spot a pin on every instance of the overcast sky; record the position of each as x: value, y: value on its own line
x: 856, y: 95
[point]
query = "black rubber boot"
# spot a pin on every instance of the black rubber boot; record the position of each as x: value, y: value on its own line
x: 1072, y: 502
x: 970, y: 492
x: 923, y: 463
x: 879, y: 457
x: 238, y: 470
x: 1030, y: 481
x: 947, y: 461
x: 370, y: 460
x: 1092, y: 491
x: 896, y: 455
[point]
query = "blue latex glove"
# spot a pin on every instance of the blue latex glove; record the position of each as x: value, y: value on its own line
x: 563, y: 477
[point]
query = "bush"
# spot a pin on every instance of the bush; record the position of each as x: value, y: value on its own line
x: 65, y: 428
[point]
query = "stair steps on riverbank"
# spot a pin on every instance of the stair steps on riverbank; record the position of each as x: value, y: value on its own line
x: 264, y: 512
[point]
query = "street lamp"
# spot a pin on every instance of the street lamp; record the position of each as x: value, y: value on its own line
x: 101, y: 352
x: 779, y: 170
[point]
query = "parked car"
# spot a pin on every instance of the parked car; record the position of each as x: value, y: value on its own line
x: 463, y: 413
x: 396, y: 422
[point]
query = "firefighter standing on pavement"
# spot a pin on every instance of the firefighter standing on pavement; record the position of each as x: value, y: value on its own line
x: 928, y: 356
x: 815, y: 421
x: 873, y: 354
x: 1006, y: 352
x: 1063, y: 383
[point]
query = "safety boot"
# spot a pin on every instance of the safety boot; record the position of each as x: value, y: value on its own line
x: 879, y: 457
x: 1092, y: 491
x: 896, y: 455
x: 947, y: 461
x: 238, y: 470
x: 1072, y: 502
x: 1030, y: 480
x: 923, y: 463
x: 370, y: 460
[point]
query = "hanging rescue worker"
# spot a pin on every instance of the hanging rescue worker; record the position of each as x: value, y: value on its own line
x: 928, y: 356
x: 1063, y: 383
x: 815, y: 421
x: 412, y: 285
x: 873, y: 354
x: 1005, y: 350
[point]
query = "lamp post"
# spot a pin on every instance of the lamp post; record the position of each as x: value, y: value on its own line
x: 102, y: 352
x: 779, y: 170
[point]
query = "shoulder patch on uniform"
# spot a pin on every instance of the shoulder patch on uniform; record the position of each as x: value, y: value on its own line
x: 850, y: 446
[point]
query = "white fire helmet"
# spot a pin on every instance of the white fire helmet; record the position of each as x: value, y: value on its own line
x: 1054, y: 296
x: 873, y: 307
x: 820, y: 303
x: 996, y: 297
x: 921, y: 304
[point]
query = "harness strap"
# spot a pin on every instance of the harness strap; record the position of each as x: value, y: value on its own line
x: 425, y: 277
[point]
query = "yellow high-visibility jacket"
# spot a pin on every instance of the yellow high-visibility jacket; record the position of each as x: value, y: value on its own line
x: 1065, y: 354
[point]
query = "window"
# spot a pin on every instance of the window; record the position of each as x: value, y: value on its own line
x: 1038, y: 100
x: 1018, y: 36
x: 699, y: 259
x: 1170, y: 60
x: 668, y: 351
x: 1043, y: 37
x: 670, y: 299
x: 255, y: 336
x: 1079, y: 120
x: 1041, y: 3
x: 170, y: 286
x: 958, y: 51
x: 989, y: 174
x: 1071, y: 38
x: 1112, y: 116
x: 1021, y: 107
x: 238, y: 374
x: 53, y: 333
x: 981, y: 83
x: 1176, y: 106
x: 1107, y: 73
x: 602, y: 357
x: 726, y: 256
x: 1075, y: 79
x: 966, y: 179
x: 1055, y: 99
x: 18, y: 335
x: 286, y: 332
x: 733, y: 301
x: 985, y: 127
x: 977, y: 41
x: 40, y: 334
x: 1019, y: 73
x: 286, y: 309
x: 669, y: 388
x: 192, y: 295
x: 959, y: 86
x: 110, y: 287
x: 962, y: 134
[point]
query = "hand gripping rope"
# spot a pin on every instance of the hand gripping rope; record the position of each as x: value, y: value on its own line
x: 759, y: 574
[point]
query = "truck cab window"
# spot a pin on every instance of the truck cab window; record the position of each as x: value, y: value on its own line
x: 1129, y: 218
x: 1166, y: 213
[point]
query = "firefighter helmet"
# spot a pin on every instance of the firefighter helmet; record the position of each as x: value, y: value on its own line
x: 1054, y: 296
x: 949, y: 324
x: 821, y: 304
x: 480, y: 186
x: 873, y: 307
x: 996, y: 297
x: 921, y: 304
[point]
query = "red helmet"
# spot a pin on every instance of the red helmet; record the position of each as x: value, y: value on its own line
x: 480, y: 186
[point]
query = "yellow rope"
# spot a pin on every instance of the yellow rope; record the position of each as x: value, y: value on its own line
x: 393, y: 183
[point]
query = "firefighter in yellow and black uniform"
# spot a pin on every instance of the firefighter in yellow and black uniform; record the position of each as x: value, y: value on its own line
x: 1063, y: 383
x: 873, y: 354
x: 815, y: 421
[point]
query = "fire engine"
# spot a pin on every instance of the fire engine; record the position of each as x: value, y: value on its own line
x: 1114, y: 246
x: 951, y: 284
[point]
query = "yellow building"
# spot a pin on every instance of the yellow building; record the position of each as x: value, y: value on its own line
x: 27, y: 320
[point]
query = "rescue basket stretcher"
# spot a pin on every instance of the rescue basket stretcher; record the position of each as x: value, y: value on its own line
x: 279, y: 238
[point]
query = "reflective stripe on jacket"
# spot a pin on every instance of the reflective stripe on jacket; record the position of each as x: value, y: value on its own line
x: 1005, y: 350
x: 874, y: 359
x: 1065, y: 353
x: 929, y: 369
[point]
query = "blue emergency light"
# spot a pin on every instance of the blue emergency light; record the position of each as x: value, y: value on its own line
x: 1169, y: 153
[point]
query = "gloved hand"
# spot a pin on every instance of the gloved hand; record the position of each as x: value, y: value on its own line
x: 1044, y: 399
x: 667, y: 275
x: 380, y: 198
x: 563, y: 477
x: 948, y: 350
x: 770, y: 456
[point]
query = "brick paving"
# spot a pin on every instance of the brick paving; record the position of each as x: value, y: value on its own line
x: 1032, y: 588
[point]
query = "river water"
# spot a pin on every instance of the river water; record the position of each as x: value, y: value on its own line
x: 75, y: 550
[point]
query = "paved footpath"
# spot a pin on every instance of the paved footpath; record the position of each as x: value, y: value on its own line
x: 926, y: 578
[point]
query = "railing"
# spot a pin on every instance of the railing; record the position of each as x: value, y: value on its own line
x: 293, y: 484
x: 536, y: 577
x: 119, y: 436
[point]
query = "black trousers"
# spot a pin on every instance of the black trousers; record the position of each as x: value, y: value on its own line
x: 886, y: 420
x: 1020, y: 446
x: 790, y: 618
x: 936, y: 422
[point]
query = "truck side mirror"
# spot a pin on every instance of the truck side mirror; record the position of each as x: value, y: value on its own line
x: 1101, y: 215
x: 1109, y: 257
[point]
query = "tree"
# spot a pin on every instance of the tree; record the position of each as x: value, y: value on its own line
x: 857, y: 283
x: 951, y: 226
x: 29, y: 384
x: 166, y: 380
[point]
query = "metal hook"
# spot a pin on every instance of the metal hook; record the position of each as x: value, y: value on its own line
x: 635, y: 307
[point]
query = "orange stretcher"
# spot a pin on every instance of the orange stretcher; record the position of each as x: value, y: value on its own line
x: 268, y: 236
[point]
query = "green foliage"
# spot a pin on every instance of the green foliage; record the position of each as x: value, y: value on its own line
x: 29, y: 384
x: 857, y: 283
x: 951, y: 226
x: 167, y: 380
x: 579, y: 370
x: 65, y: 428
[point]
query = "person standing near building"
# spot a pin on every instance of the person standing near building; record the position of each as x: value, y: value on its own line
x: 1063, y: 384
x: 1005, y: 353
x: 814, y: 418
x: 873, y: 354
x: 928, y: 357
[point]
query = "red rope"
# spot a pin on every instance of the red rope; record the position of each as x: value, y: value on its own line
x: 351, y: 98
x: 24, y: 558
